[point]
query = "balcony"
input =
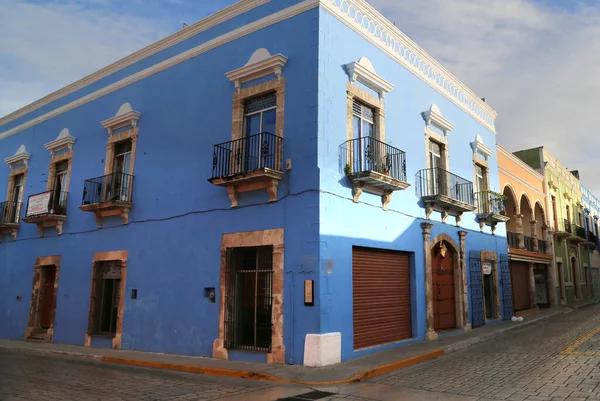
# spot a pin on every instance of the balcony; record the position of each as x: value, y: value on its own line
x: 513, y: 239
x: 109, y: 195
x: 528, y: 243
x: 542, y: 246
x: 47, y: 209
x: 248, y: 164
x: 562, y: 229
x: 491, y: 208
x: 10, y: 213
x: 445, y: 192
x: 374, y: 166
x: 578, y: 234
x: 592, y: 240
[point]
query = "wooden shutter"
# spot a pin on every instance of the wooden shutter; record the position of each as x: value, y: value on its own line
x: 381, y: 296
x: 519, y: 275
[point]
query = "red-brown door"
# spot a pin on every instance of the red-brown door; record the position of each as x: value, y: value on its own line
x: 48, y: 301
x: 444, y: 306
x: 519, y: 279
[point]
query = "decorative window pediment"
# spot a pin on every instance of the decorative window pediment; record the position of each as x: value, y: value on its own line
x: 479, y: 146
x: 364, y: 72
x: 64, y: 140
x: 124, y: 117
x: 434, y: 117
x: 261, y: 63
x: 21, y: 157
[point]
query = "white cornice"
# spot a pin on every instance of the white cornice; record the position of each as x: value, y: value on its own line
x: 372, y: 25
x: 63, y: 139
x: 184, y: 34
x: 480, y: 147
x: 364, y: 72
x: 180, y: 58
x: 21, y: 156
x: 434, y: 116
x: 261, y: 63
x: 125, y: 116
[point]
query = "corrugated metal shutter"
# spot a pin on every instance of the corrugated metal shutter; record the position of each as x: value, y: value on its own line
x: 519, y: 277
x: 381, y: 296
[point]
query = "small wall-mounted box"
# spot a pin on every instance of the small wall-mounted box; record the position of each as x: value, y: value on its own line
x: 288, y: 164
x: 209, y: 292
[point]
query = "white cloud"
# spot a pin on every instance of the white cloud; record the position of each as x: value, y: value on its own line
x: 535, y: 64
x: 46, y: 46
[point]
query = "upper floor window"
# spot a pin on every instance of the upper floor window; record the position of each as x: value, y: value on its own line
x: 436, y: 152
x: 363, y: 121
x: 260, y: 114
x: 17, y: 194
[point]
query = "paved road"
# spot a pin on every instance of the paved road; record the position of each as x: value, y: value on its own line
x: 555, y: 360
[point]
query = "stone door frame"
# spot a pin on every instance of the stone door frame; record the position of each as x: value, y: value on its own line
x: 37, y: 295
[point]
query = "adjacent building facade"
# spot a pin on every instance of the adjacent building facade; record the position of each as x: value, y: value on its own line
x: 279, y: 179
x: 530, y: 245
x: 591, y: 208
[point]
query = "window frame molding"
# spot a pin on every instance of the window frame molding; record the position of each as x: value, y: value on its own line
x: 62, y: 142
x: 126, y: 116
x: 378, y: 106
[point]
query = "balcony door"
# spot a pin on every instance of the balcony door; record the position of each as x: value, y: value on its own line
x: 13, y: 211
x: 260, y: 116
x: 58, y: 198
x: 118, y: 184
x: 363, y: 129
x: 435, y: 178
x: 480, y: 187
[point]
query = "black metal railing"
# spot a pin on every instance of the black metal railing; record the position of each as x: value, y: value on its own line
x: 542, y: 246
x: 436, y: 181
x: 513, y: 239
x: 592, y: 238
x: 49, y: 202
x: 10, y: 212
x: 490, y: 202
x: 254, y: 152
x: 368, y: 154
x: 580, y: 231
x: 112, y: 187
x: 564, y: 225
x: 528, y: 243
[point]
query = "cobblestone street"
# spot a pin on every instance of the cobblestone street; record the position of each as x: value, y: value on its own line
x: 554, y: 360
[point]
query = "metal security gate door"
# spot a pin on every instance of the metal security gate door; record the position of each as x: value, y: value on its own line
x: 475, y: 277
x: 506, y: 288
x: 380, y: 296
x: 444, y: 299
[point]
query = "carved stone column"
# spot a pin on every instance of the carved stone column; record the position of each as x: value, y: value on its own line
x: 430, y: 333
x: 519, y: 226
x: 547, y: 236
x: 532, y: 285
x: 464, y: 290
x: 277, y: 354
x: 534, y: 234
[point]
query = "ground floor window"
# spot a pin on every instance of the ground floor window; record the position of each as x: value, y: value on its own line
x: 107, y: 293
x: 248, y: 298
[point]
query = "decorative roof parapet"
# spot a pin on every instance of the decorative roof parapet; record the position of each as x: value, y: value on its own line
x: 125, y: 116
x: 480, y: 147
x: 261, y: 63
x: 367, y: 21
x: 21, y: 156
x: 64, y: 139
x: 364, y: 72
x: 434, y: 116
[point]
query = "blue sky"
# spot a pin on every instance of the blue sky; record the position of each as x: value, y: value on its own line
x: 536, y: 61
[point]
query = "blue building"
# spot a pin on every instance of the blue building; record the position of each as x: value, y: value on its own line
x: 591, y: 209
x: 287, y: 182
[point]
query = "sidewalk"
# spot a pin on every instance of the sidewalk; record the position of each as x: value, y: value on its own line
x: 358, y: 369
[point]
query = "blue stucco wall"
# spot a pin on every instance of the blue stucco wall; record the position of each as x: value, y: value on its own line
x: 176, y: 224
x: 344, y: 223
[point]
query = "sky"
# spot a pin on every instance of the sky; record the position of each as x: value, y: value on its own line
x: 537, y: 62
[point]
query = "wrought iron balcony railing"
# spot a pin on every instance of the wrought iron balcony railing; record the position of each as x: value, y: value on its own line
x: 528, y: 243
x: 580, y: 232
x: 244, y: 155
x: 592, y: 238
x: 542, y: 246
x: 10, y: 212
x: 513, y: 239
x: 49, y: 202
x: 116, y: 187
x: 369, y: 154
x: 433, y: 182
x: 564, y: 225
x: 490, y: 202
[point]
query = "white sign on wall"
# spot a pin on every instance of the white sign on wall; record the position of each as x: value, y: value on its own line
x: 486, y: 267
x: 38, y: 204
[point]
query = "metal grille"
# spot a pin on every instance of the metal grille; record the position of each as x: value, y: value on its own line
x: 360, y: 110
x: 257, y: 104
x: 108, y: 296
x: 122, y: 147
x: 506, y: 288
x: 477, y: 312
x: 249, y: 298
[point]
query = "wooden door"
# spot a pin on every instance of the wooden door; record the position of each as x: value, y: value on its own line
x: 381, y: 296
x: 519, y: 278
x: 48, y: 300
x: 444, y: 302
